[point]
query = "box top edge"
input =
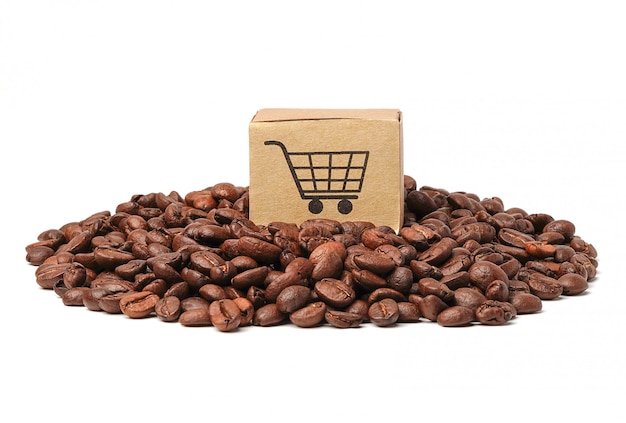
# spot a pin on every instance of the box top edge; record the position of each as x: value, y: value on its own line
x: 278, y: 114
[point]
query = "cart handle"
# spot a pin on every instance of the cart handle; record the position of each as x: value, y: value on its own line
x: 281, y: 145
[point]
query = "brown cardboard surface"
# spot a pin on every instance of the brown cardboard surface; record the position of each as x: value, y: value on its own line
x: 346, y: 161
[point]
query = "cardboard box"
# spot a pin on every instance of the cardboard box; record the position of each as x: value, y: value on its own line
x: 341, y: 164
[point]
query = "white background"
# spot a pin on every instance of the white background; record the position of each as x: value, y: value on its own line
x: 103, y: 100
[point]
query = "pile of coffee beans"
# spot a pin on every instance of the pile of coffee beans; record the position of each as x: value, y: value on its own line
x: 198, y: 260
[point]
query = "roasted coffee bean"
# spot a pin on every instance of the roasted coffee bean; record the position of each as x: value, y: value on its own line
x: 428, y: 286
x: 439, y: 252
x: 191, y: 303
x: 381, y: 293
x: 377, y: 263
x: 225, y: 315
x: 497, y: 290
x: 525, y: 302
x: 47, y: 275
x: 246, y: 310
x: 572, y: 284
x: 212, y: 292
x: 455, y: 316
x: 195, y: 317
x: 495, y: 313
x: 430, y: 306
x: 281, y: 282
x: 343, y: 319
x: 168, y: 308
x: 482, y: 273
x: 368, y: 280
x: 334, y: 292
x: 409, y: 312
x: 359, y: 307
x: 74, y: 296
x: 268, y: 315
x: 309, y: 316
x: 293, y: 298
x: 110, y: 303
x: 400, y: 279
x: 384, y: 312
x: 544, y: 287
x: 469, y: 297
x: 249, y: 277
x: 138, y: 305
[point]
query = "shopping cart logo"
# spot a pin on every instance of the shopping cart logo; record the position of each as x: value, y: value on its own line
x: 330, y: 175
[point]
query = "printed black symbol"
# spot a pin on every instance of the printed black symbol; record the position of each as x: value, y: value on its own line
x: 331, y: 175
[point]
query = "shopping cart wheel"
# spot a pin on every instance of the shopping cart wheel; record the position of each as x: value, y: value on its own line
x: 344, y: 206
x: 315, y: 206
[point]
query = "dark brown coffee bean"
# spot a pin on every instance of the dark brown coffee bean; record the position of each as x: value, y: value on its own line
x: 195, y: 317
x: 281, y: 282
x: 309, y: 316
x: 497, y: 290
x: 409, y: 312
x: 495, y: 313
x: 384, y: 312
x: 455, y: 316
x: 514, y: 238
x: 573, y: 284
x: 157, y: 286
x: 75, y: 275
x: 138, y: 305
x: 179, y: 289
x: 359, y: 307
x: 482, y: 273
x: 382, y: 293
x: 564, y: 227
x: 37, y: 254
x: 191, y: 303
x: 110, y: 303
x: 430, y: 306
x: 74, y: 296
x: 259, y: 250
x: 544, y: 287
x: 293, y: 298
x: 334, y: 292
x: 469, y: 297
x: 421, y: 269
x: 525, y: 303
x: 428, y: 286
x: 439, y: 252
x: 456, y: 280
x: 368, y: 280
x: 47, y: 275
x: 400, y: 279
x: 110, y: 258
x: 377, y: 263
x: 343, y: 319
x: 212, y: 292
x: 249, y: 277
x: 168, y: 308
x: 225, y: 315
x: 268, y: 315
